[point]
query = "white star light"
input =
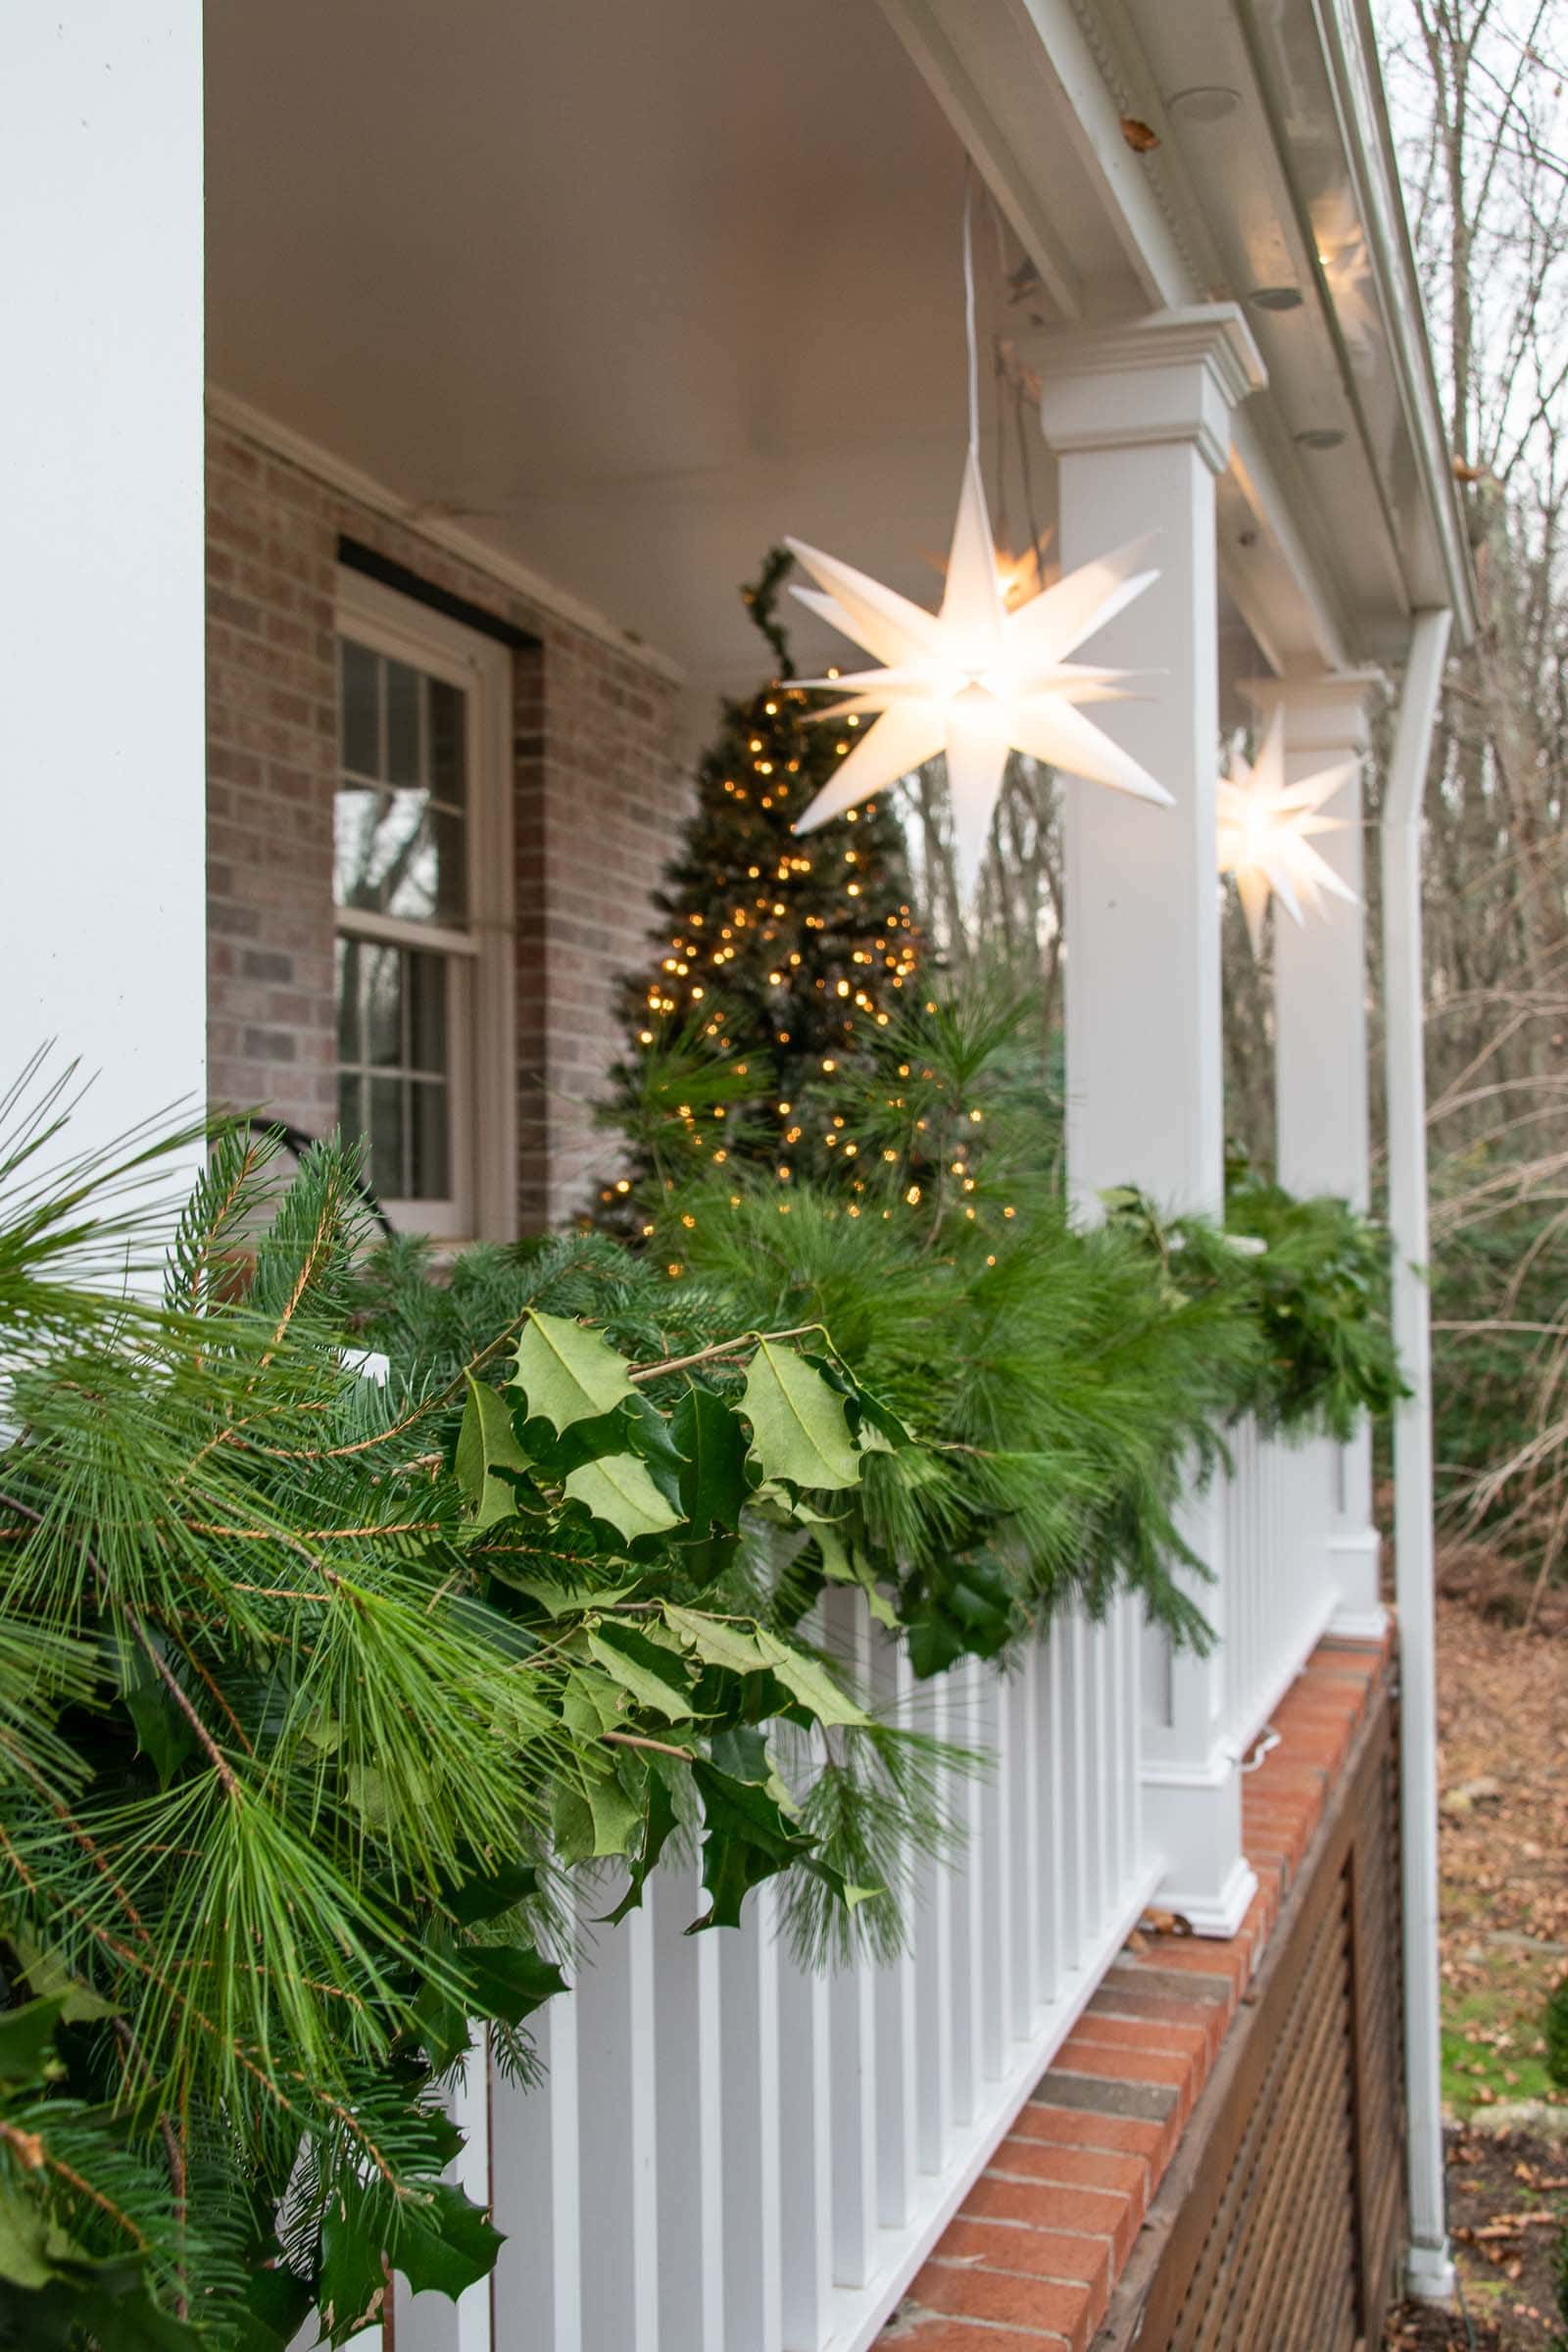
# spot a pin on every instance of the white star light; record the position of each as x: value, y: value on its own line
x: 1264, y: 829
x: 974, y: 680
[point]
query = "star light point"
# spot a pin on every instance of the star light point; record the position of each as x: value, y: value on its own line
x: 979, y: 678
x: 1265, y: 829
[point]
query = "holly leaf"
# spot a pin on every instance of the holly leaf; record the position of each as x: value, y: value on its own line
x: 717, y: 1640
x: 26, y: 2257
x: 662, y: 1822
x: 447, y: 2243
x: 749, y: 1839
x: 164, y: 1733
x: 276, y: 2306
x: 28, y: 2042
x: 487, y: 1445
x: 844, y: 1564
x: 651, y: 1673
x: 565, y: 1600
x: 352, y: 2282
x: 653, y: 1437
x: 713, y: 1475
x: 50, y: 1978
x: 486, y: 1896
x: 799, y: 1427
x: 619, y: 1491
x: 880, y: 1429
x: 509, y: 1983
x: 566, y: 1372
x: 594, y: 1819
x: 808, y: 1682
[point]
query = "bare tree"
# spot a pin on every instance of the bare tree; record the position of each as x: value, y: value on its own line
x: 1478, y: 96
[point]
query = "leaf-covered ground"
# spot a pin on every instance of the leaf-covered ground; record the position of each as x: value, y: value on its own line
x: 1503, y: 1729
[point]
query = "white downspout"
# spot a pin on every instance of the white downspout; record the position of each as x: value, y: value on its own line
x: 1429, y: 2268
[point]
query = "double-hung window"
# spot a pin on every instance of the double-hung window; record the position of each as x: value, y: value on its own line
x: 421, y: 886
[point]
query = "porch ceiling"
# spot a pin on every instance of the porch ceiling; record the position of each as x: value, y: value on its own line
x: 628, y: 291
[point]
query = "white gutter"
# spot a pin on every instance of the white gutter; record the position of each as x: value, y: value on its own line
x: 1430, y: 2270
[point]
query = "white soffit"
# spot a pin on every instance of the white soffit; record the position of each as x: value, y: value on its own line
x: 1327, y: 548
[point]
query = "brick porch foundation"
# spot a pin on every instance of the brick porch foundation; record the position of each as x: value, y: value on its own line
x: 1031, y: 2260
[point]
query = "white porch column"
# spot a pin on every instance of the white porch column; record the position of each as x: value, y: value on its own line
x: 1320, y: 1082
x: 1139, y: 416
x: 101, y: 591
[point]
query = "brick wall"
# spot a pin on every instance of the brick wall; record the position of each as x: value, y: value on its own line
x: 595, y: 783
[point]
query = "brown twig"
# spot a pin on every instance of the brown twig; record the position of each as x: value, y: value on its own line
x: 166, y: 1673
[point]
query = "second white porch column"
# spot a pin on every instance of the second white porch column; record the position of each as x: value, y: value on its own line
x: 1139, y: 416
x: 1320, y: 1092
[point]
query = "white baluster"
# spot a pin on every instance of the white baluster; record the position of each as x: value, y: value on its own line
x: 749, y: 2041
x: 965, y: 1725
x: 617, y: 2138
x: 689, y: 2092
x: 535, y: 2170
x: 1021, y: 1695
x: 806, y: 2153
x: 897, y: 2058
x: 932, y: 1926
x: 994, y: 1972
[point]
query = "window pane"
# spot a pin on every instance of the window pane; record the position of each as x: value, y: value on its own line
x: 448, y: 763
x: 428, y: 1013
x: 386, y: 1137
x: 350, y: 1045
x: 388, y: 859
x: 383, y: 1006
x: 431, y: 1158
x: 448, y: 837
x: 350, y: 1109
x: 359, y: 692
x: 403, y: 724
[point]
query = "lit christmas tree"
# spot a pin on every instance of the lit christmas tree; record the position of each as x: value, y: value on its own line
x: 781, y: 958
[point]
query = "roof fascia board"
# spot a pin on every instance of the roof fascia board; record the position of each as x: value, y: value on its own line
x: 1349, y: 53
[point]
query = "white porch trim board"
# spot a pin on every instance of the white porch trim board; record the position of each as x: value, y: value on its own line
x: 102, y: 592
x: 1139, y: 416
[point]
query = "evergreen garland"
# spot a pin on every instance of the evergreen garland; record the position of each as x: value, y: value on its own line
x: 1067, y: 1383
x: 783, y: 955
x: 314, y: 1692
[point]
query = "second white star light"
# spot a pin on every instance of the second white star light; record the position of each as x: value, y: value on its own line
x: 1266, y: 830
x: 974, y: 680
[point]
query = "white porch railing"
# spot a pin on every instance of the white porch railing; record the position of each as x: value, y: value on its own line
x: 1280, y: 1589
x: 728, y: 2154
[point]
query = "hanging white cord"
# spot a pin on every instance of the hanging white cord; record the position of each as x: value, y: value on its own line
x: 972, y: 341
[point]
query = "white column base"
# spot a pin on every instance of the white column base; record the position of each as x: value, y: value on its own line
x: 1355, y: 1567
x: 1192, y: 1816
x: 1358, y: 1625
x: 1429, y: 2275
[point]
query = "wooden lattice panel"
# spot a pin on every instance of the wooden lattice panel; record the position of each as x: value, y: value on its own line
x: 1281, y: 2213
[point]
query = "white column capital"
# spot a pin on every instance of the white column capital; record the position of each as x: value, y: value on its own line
x: 1328, y: 711
x: 1173, y: 376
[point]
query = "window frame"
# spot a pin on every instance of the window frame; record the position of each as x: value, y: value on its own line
x: 481, y: 954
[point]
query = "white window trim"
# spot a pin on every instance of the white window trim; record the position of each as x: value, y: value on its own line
x: 483, y: 1009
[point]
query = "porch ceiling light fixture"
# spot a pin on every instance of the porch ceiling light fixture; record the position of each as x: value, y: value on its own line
x: 975, y: 679
x: 1265, y: 829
